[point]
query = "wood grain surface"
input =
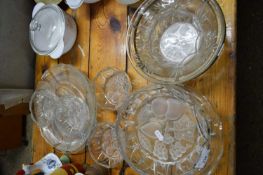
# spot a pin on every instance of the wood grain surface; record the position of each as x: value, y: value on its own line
x: 218, y: 85
x: 107, y: 45
x: 101, y: 43
x: 108, y: 28
x: 39, y: 145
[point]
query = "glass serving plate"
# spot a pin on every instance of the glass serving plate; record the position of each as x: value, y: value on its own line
x: 64, y: 108
x: 165, y: 130
x: 173, y: 41
x: 112, y: 88
x: 103, y: 146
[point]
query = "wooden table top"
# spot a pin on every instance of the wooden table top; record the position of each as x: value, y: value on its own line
x: 101, y: 43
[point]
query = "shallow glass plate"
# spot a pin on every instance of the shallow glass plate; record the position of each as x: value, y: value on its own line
x: 64, y: 108
x: 169, y: 130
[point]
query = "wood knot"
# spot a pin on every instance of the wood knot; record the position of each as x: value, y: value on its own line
x: 115, y: 24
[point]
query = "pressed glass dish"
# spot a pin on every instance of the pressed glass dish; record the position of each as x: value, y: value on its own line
x: 63, y: 107
x: 169, y: 130
x: 174, y: 41
x: 112, y: 88
x: 103, y: 146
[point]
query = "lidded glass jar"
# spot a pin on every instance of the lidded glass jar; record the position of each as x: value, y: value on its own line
x: 52, y: 31
x: 64, y: 108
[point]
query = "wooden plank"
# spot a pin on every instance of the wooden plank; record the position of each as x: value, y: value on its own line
x: 107, y: 41
x: 137, y: 80
x: 39, y: 146
x: 108, y: 32
x: 78, y: 56
x: 130, y: 171
x: 227, y: 165
x: 218, y: 85
x: 107, y: 45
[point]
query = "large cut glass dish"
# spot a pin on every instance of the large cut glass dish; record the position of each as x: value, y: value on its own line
x: 64, y: 108
x: 173, y: 41
x: 165, y: 130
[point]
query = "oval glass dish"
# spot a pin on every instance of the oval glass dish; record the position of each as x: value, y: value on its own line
x: 169, y: 130
x: 64, y: 108
x: 170, y: 42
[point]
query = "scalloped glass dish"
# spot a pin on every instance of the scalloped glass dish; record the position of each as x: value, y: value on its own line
x: 103, y: 146
x: 63, y: 107
x: 112, y: 88
x: 169, y: 130
x: 173, y: 41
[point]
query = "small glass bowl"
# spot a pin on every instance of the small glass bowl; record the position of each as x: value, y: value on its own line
x: 103, y: 146
x: 169, y: 130
x: 112, y: 87
x: 173, y: 41
x: 63, y: 107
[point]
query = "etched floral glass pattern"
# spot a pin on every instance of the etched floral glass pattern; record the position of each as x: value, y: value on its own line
x: 63, y: 106
x: 172, y: 41
x: 112, y: 88
x: 103, y: 146
x: 169, y: 130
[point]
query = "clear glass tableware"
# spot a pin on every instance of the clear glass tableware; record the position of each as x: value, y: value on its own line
x: 170, y: 42
x: 103, y: 146
x: 169, y: 130
x: 112, y: 87
x: 64, y: 108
